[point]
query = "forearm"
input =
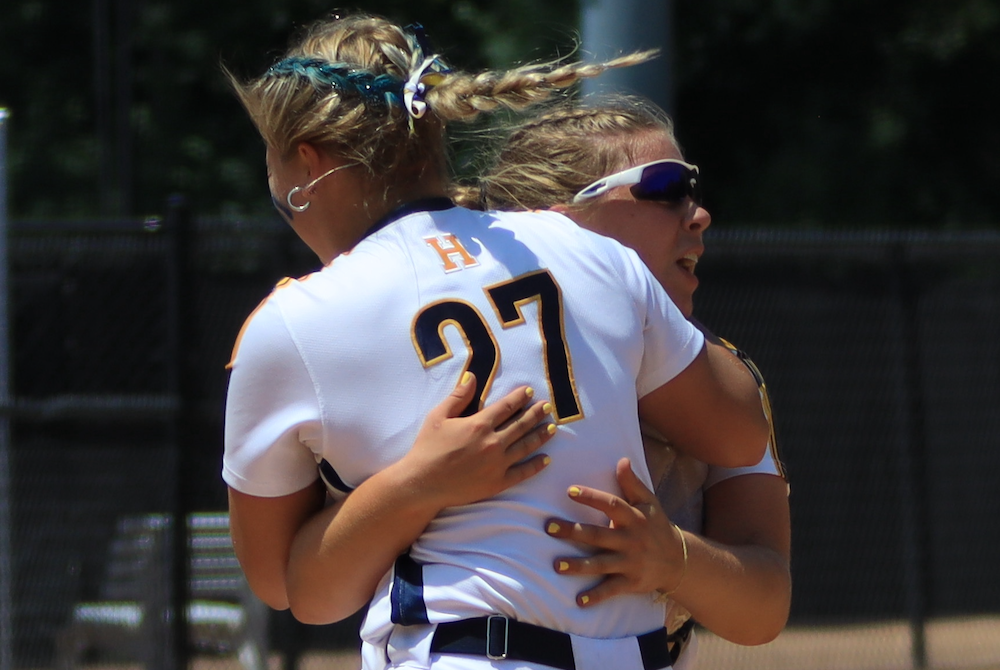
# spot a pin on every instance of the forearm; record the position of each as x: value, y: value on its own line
x: 739, y: 584
x: 339, y: 556
x: 740, y: 593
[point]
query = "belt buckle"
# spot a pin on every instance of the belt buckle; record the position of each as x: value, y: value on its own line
x: 496, y: 637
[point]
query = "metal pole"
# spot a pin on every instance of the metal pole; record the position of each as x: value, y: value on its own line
x: 102, y: 108
x: 6, y: 548
x: 613, y: 27
x: 911, y: 453
x: 123, y: 106
x: 181, y: 383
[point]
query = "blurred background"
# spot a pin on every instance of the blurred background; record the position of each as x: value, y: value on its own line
x: 851, y: 154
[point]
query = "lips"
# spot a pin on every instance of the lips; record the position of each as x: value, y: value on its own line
x: 689, y: 260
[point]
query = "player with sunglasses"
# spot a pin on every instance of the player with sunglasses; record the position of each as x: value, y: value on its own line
x: 664, y: 180
x: 717, y: 541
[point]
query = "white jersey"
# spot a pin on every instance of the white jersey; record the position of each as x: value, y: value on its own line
x: 344, y: 365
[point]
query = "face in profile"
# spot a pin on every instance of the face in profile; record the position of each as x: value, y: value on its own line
x: 667, y: 235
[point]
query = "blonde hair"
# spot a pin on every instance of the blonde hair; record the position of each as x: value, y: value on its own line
x: 547, y: 160
x: 341, y: 89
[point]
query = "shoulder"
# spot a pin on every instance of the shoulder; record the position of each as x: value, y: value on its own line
x: 266, y: 324
x: 740, y: 354
x: 771, y: 463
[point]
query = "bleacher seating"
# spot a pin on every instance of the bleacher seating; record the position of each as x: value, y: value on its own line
x: 131, y: 620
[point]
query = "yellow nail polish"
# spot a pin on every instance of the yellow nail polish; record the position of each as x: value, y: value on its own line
x: 563, y: 566
x: 530, y: 392
x: 551, y: 429
x: 547, y: 408
x: 466, y: 378
x: 574, y: 491
x: 584, y: 600
x: 553, y: 528
x: 546, y: 460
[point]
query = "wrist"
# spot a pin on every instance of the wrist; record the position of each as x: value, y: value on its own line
x: 665, y: 593
x: 412, y: 489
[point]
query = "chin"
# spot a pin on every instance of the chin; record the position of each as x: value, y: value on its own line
x: 682, y: 297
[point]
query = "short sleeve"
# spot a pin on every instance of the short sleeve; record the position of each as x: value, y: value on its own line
x: 768, y: 465
x: 272, y: 411
x: 670, y: 341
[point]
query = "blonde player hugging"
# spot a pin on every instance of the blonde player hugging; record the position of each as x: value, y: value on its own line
x: 563, y: 334
x: 716, y: 543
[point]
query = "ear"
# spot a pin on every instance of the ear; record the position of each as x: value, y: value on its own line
x: 310, y: 157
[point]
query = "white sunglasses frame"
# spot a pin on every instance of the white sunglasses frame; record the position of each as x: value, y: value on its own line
x: 627, y: 177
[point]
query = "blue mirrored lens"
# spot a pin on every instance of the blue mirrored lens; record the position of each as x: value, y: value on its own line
x: 668, y: 182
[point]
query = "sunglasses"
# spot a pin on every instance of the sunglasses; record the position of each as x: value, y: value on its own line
x: 665, y: 180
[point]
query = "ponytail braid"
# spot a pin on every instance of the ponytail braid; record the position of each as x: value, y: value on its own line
x: 462, y: 96
x: 373, y: 93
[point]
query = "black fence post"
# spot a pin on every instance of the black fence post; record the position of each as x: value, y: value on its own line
x: 912, y: 453
x: 6, y: 494
x: 181, y: 235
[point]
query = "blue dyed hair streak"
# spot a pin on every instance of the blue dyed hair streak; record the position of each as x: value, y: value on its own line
x: 382, y: 88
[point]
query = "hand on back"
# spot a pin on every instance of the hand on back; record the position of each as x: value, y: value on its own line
x: 461, y: 460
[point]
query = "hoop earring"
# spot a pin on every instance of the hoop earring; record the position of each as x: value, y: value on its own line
x: 296, y: 208
x: 310, y: 186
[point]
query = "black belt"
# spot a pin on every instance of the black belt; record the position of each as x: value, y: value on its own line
x: 497, y: 637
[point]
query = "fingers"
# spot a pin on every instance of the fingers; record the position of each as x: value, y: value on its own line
x: 457, y: 400
x: 634, y: 490
x: 523, y: 422
x: 619, y: 511
x: 596, y: 536
x: 607, y: 588
x: 518, y: 472
x: 638, y: 499
x: 507, y: 407
x: 607, y: 565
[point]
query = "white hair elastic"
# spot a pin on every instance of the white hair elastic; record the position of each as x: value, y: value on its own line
x: 415, y: 88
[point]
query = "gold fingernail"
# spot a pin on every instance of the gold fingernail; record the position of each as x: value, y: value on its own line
x: 530, y: 392
x: 546, y: 460
x: 553, y: 528
x: 574, y: 491
x: 551, y: 429
x: 547, y: 408
x: 563, y: 566
x: 584, y: 600
x: 466, y: 378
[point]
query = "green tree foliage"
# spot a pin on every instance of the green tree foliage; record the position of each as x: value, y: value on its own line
x: 185, y: 131
x: 852, y: 112
x: 807, y: 112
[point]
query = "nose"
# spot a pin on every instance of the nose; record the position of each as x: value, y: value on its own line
x: 697, y: 218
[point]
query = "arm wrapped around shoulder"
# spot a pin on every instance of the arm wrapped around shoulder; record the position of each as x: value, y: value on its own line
x: 711, y: 410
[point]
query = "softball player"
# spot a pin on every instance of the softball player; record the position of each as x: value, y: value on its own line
x: 616, y: 168
x: 340, y: 367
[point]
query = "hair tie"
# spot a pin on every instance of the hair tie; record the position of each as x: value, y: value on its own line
x: 417, y: 85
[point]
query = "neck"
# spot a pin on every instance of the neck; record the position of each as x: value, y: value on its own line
x: 356, y: 218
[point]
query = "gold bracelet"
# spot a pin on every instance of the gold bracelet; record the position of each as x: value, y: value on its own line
x: 663, y: 596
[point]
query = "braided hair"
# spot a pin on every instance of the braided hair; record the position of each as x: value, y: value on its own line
x: 547, y: 159
x: 369, y: 91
